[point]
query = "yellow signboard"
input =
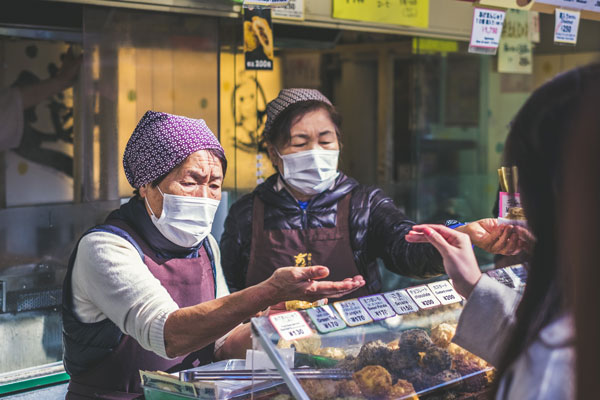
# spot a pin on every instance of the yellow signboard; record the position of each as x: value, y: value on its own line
x: 427, y: 46
x: 398, y: 12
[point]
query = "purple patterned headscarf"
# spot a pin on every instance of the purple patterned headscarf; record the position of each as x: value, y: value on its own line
x: 286, y: 98
x: 162, y: 141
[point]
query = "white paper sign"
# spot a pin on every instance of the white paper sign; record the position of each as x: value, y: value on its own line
x: 423, y: 296
x: 325, y: 319
x: 487, y: 28
x: 266, y: 3
x: 445, y: 292
x: 566, y: 26
x: 352, y: 312
x: 293, y: 10
x: 377, y: 307
x: 401, y: 302
x: 290, y: 325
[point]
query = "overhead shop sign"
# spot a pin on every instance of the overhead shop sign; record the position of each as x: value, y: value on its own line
x: 589, y: 5
x: 258, y: 39
x: 398, y: 12
x: 487, y: 28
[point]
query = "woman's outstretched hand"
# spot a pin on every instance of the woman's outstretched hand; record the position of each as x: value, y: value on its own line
x: 457, y: 253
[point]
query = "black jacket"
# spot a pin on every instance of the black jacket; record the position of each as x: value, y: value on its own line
x: 377, y: 230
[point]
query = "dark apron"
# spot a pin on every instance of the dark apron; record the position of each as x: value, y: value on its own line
x: 189, y: 282
x: 330, y: 247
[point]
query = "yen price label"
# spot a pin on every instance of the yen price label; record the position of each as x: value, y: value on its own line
x: 423, y: 296
x: 445, y: 293
x: 377, y: 307
x: 352, y: 312
x: 325, y: 319
x: 401, y: 302
x: 290, y: 325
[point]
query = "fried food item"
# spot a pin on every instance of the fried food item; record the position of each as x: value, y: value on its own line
x: 442, y: 335
x: 418, y: 339
x: 250, y: 39
x: 320, y: 389
x: 309, y: 345
x: 478, y: 381
x: 263, y: 31
x: 331, y: 352
x: 394, y: 344
x: 436, y: 360
x: 444, y: 376
x: 403, y: 358
x: 402, y: 389
x: 348, y: 388
x: 373, y: 353
x: 349, y: 364
x: 374, y: 381
x: 458, y: 352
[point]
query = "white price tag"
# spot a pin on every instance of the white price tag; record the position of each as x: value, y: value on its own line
x: 325, y: 319
x: 423, y: 296
x: 377, y: 307
x: 445, y: 293
x: 401, y: 302
x: 294, y: 10
x: 566, y: 26
x: 290, y: 325
x: 352, y: 312
x: 486, y: 31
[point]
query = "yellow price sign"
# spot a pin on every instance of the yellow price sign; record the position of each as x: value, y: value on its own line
x: 397, y: 12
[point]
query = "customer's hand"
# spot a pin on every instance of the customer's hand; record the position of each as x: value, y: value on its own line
x: 455, y: 248
x: 493, y: 237
x: 301, y: 283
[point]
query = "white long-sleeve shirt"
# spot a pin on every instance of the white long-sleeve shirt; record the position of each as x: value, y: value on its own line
x: 11, y: 118
x: 110, y: 280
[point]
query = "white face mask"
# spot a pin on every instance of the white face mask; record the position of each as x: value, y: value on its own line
x: 185, y: 220
x: 312, y: 171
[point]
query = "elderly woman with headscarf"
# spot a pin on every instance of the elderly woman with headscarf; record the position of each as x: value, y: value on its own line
x: 145, y: 290
x: 310, y: 212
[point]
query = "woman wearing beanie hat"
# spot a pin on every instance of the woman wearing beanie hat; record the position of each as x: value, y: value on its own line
x: 145, y: 290
x: 311, y: 213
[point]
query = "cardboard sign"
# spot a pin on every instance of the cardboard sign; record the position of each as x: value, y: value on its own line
x: 423, y: 296
x: 377, y: 307
x: 293, y: 10
x: 487, y: 28
x: 325, y: 319
x: 258, y: 39
x: 566, y: 26
x: 290, y: 325
x: 352, y: 312
x: 405, y: 12
x: 401, y: 302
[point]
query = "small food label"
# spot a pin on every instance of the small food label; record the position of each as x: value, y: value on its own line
x: 325, y: 319
x: 445, y: 293
x: 423, y: 296
x: 401, y: 302
x: 352, y: 312
x: 290, y: 325
x: 377, y: 307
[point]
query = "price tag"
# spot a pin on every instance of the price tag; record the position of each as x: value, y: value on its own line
x: 423, y: 296
x: 401, y: 302
x: 290, y: 325
x: 325, y: 319
x: 566, y: 26
x: 486, y: 31
x: 445, y: 293
x: 377, y: 307
x: 352, y: 312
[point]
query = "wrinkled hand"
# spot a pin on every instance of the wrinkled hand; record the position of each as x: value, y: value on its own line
x: 455, y: 248
x: 300, y: 283
x: 493, y: 237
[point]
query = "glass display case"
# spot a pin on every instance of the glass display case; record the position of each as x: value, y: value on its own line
x: 393, y: 345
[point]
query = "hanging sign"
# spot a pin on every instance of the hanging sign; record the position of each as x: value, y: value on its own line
x: 566, y: 26
x: 325, y: 319
x: 487, y: 28
x: 534, y: 26
x: 397, y: 12
x: 258, y: 39
x: 515, y: 54
x: 293, y: 10
x: 290, y: 325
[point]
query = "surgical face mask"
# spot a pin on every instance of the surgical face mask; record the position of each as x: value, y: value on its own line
x: 185, y: 220
x: 310, y: 172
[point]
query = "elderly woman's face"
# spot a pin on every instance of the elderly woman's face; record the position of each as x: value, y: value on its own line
x: 199, y: 175
x: 313, y: 131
